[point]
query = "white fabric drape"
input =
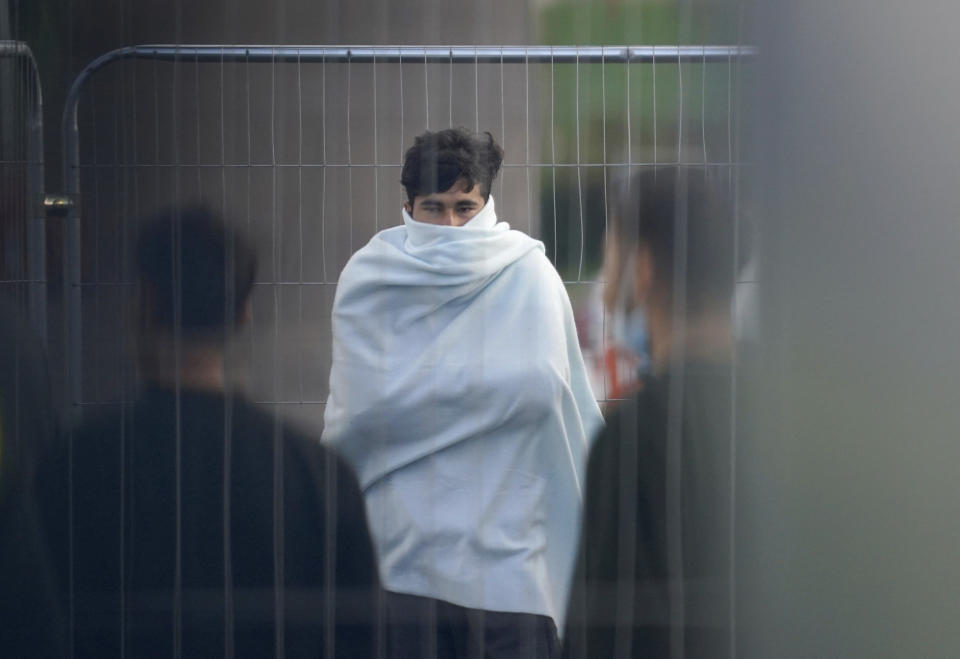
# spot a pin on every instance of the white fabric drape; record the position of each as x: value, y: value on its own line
x: 459, y: 395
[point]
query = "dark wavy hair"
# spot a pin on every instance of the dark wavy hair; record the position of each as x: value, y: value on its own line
x: 437, y: 160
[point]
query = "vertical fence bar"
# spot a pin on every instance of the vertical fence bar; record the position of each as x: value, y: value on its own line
x: 37, y: 235
x: 227, y: 494
x: 71, y: 318
x: 503, y: 116
x: 735, y: 372
x: 579, y: 170
x: 703, y: 106
x: 323, y: 161
x: 71, y: 270
x: 606, y: 215
x: 526, y: 138
x: 276, y: 243
x: 653, y: 90
x: 95, y: 290
x: 350, y: 152
x: 553, y: 152
x: 177, y: 277
x: 476, y: 92
x: 120, y: 202
x: 300, y: 332
x: 426, y: 91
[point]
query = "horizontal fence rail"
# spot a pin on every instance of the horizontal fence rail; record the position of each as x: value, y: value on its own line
x: 663, y: 54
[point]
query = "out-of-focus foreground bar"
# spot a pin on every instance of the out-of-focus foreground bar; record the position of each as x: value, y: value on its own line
x: 850, y: 485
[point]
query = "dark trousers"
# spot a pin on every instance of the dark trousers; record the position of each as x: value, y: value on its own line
x: 426, y: 628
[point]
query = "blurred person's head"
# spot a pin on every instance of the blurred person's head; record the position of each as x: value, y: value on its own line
x: 194, y: 278
x: 448, y: 174
x: 671, y: 249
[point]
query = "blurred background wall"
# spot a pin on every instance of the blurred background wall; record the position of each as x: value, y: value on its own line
x: 852, y: 482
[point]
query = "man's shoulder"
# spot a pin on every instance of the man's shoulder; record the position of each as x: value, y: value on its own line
x: 536, y: 268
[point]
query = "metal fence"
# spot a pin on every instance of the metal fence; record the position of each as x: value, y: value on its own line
x: 22, y: 237
x: 302, y: 145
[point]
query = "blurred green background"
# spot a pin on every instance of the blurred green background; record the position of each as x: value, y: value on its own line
x: 605, y: 117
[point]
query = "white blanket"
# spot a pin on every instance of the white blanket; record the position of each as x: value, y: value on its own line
x: 459, y: 395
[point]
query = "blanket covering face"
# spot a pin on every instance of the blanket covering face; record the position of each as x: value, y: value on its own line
x: 459, y: 395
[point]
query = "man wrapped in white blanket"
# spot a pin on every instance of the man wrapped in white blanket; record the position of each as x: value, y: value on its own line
x: 459, y: 394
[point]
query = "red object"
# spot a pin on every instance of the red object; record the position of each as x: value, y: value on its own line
x: 620, y: 368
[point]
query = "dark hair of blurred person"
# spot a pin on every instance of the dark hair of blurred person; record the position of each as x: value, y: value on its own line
x: 190, y: 521
x: 194, y: 279
x: 652, y: 572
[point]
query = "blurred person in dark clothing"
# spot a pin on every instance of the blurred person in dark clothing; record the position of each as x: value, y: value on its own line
x: 652, y: 576
x: 160, y: 554
x: 29, y: 622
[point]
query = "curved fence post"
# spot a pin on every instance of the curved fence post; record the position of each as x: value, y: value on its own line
x: 21, y: 194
